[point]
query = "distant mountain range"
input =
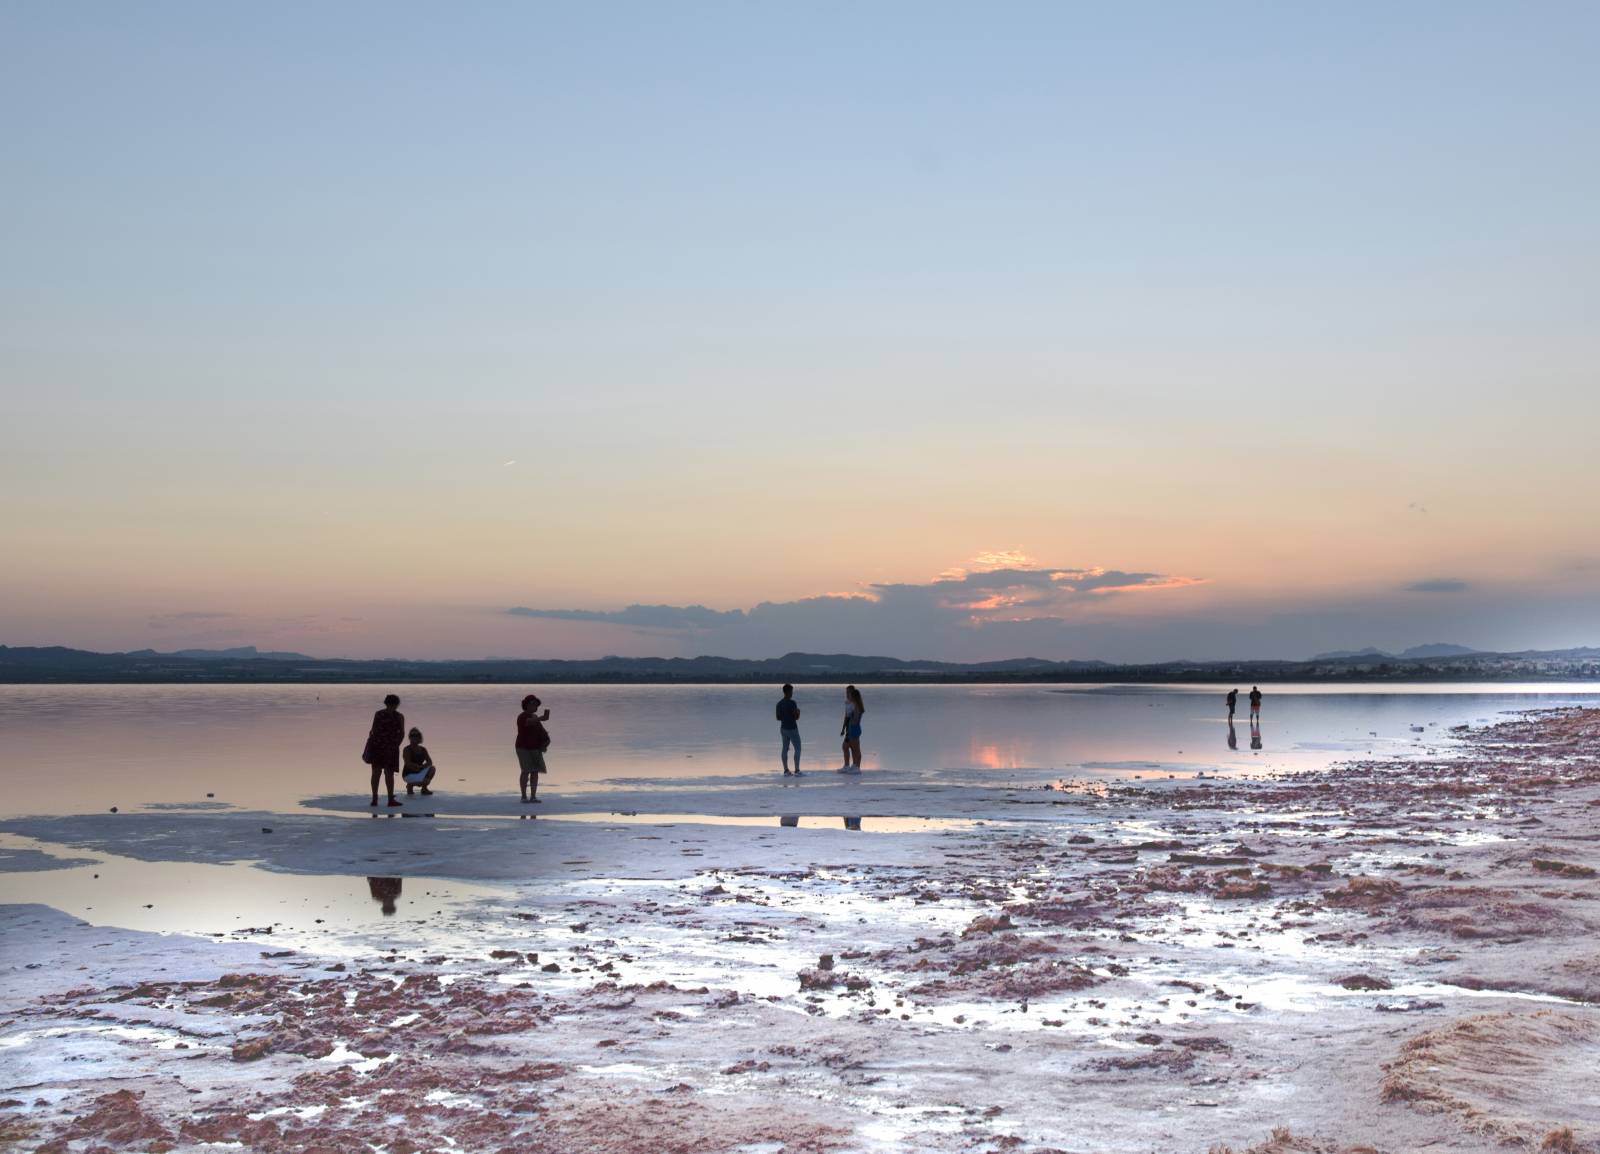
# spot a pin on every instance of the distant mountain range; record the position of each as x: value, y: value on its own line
x: 1438, y: 649
x: 238, y: 653
x: 1439, y: 662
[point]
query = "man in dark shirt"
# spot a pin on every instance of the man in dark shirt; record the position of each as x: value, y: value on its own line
x: 789, y: 729
x: 1255, y: 701
x: 1233, y: 701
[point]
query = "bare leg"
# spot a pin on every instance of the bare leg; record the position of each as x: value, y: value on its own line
x: 375, y: 774
x: 853, y: 747
x: 388, y: 782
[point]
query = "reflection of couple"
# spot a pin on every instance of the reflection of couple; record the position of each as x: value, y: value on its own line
x: 1255, y: 734
x: 385, y: 891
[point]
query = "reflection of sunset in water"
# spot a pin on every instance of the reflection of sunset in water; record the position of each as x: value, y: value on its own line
x: 987, y: 755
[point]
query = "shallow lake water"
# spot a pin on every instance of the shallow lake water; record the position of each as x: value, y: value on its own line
x: 81, y: 749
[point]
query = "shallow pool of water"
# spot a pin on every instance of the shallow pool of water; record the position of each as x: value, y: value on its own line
x: 75, y: 749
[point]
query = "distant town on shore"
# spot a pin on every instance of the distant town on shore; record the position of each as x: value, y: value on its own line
x: 246, y: 664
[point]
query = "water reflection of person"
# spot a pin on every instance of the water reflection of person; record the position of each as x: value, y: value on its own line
x: 385, y: 891
x: 1255, y: 735
x: 1233, y: 735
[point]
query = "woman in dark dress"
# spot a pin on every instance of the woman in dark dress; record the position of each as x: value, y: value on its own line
x: 383, y: 746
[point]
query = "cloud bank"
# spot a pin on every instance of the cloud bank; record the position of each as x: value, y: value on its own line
x: 643, y: 616
x: 1437, y: 585
x: 989, y: 611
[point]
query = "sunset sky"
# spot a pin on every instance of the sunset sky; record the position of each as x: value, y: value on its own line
x: 1127, y: 331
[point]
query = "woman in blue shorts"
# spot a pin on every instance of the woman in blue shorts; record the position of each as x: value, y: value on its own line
x: 854, y: 707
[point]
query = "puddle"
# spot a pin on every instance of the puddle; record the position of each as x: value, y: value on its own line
x: 234, y: 902
x: 863, y: 824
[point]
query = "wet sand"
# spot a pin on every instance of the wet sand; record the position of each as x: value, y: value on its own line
x: 1387, y: 955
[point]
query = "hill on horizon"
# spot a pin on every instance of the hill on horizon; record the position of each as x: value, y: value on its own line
x: 1416, y: 652
x: 38, y: 664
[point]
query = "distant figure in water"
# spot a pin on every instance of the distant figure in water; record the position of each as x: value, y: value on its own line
x: 1233, y: 702
x: 419, y: 769
x: 384, y: 892
x: 383, y: 746
x: 532, y: 741
x: 1255, y: 735
x: 854, y: 707
x: 789, y: 729
x: 1233, y: 737
x: 1255, y: 701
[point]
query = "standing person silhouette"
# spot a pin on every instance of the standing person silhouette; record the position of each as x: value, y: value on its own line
x: 383, y: 746
x: 789, y: 729
x: 1255, y: 702
x: 1233, y: 702
x: 854, y: 707
x: 532, y: 740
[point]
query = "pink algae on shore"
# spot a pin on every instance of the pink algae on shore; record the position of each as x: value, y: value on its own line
x: 502, y: 1101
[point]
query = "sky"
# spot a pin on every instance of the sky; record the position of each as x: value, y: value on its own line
x: 1133, y: 332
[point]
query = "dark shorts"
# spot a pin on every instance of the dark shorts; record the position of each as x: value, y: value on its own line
x: 385, y: 759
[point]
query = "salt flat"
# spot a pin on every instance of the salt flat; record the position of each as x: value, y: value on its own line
x: 1390, y: 954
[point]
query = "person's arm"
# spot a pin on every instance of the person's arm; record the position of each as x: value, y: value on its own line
x: 545, y: 716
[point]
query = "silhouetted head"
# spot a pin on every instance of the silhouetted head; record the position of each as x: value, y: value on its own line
x: 416, y: 735
x: 853, y: 695
x: 530, y: 702
x: 392, y: 701
x: 788, y: 690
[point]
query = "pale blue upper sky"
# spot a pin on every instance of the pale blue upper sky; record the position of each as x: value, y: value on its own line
x: 773, y: 300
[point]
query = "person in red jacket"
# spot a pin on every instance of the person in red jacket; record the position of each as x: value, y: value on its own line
x: 532, y: 740
x: 383, y: 745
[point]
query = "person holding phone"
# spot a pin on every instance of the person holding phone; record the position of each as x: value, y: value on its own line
x: 532, y: 741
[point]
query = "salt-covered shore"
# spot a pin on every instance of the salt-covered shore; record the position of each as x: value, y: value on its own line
x: 1396, y: 956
